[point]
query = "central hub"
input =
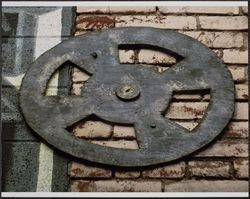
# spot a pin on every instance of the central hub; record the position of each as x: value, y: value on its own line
x: 127, y: 91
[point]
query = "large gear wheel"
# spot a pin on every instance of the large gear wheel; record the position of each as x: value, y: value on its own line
x: 128, y: 94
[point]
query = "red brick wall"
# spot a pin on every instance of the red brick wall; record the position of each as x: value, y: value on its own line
x: 223, y: 165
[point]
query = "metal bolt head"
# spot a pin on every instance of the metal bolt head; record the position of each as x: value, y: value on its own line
x: 94, y: 55
x: 127, y: 91
x: 153, y: 125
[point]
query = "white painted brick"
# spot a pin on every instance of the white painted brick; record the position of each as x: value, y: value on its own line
x: 115, y: 186
x: 116, y: 9
x: 123, y: 144
x: 218, y: 52
x: 237, y: 129
x: 188, y: 125
x: 169, y: 22
x: 155, y: 57
x: 81, y: 170
x: 194, y: 110
x: 244, y: 9
x: 233, y: 130
x: 80, y: 32
x: 235, y: 56
x: 127, y: 174
x: 241, y: 111
x: 53, y: 81
x: 51, y: 92
x: 217, y: 39
x: 199, y: 9
x: 170, y: 171
x: 186, y: 110
x: 124, y: 131
x: 92, y: 9
x: 238, y: 73
x: 132, y: 9
x: 93, y: 129
x: 225, y: 149
x: 76, y: 88
x: 51, y: 89
x: 241, y: 91
x: 172, y: 9
x: 224, y: 23
x: 207, y: 186
x: 79, y: 76
x: 241, y: 168
x: 209, y: 168
x: 187, y: 97
x: 126, y: 56
x: 94, y: 22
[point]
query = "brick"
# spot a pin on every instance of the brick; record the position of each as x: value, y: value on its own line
x: 170, y: 171
x: 196, y: 110
x: 123, y: 144
x: 127, y: 174
x: 241, y: 91
x: 132, y: 9
x: 223, y: 23
x: 186, y: 110
x: 155, y: 57
x: 208, y: 168
x: 244, y: 9
x: 94, y: 22
x: 115, y: 186
x: 241, y: 111
x: 77, y: 33
x: 169, y: 22
x: 126, y: 56
x: 51, y: 92
x: 207, y: 186
x: 237, y: 130
x: 188, y: 125
x: 218, y: 53
x: 81, y: 170
x: 124, y: 132
x: 53, y: 81
x: 115, y: 9
x: 217, y: 39
x: 93, y: 9
x: 76, y: 88
x: 199, y: 9
x: 206, y: 97
x: 93, y: 129
x: 241, y: 168
x: 187, y: 97
x: 79, y: 75
x: 245, y: 35
x: 235, y: 56
x: 238, y: 73
x: 225, y: 148
x: 233, y: 130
